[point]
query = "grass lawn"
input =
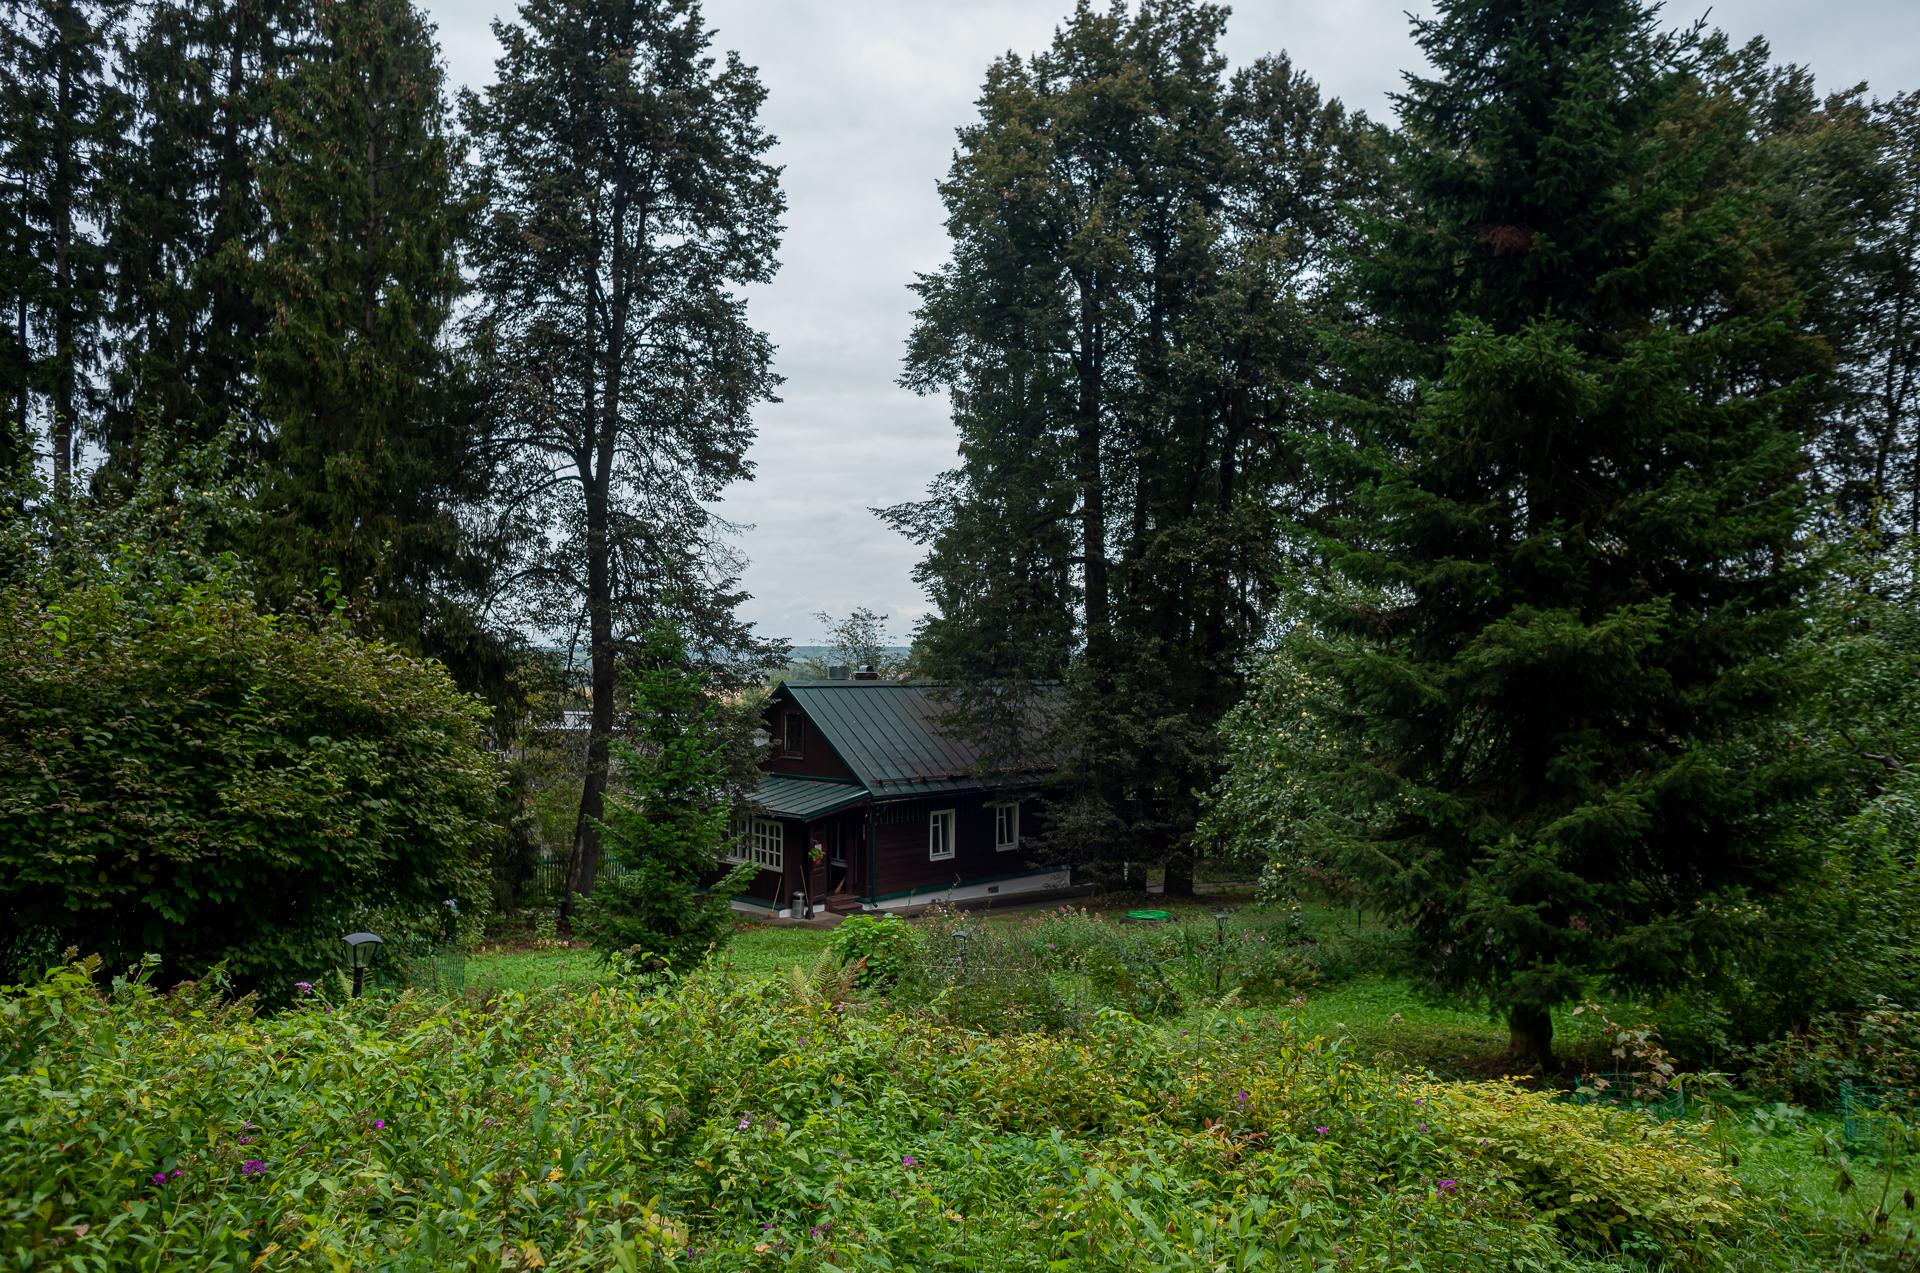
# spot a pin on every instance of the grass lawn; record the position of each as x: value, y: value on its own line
x: 758, y: 950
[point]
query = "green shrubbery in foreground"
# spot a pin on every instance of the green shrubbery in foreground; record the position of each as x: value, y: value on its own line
x: 760, y: 1125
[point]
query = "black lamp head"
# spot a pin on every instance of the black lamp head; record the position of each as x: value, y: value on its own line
x: 363, y: 947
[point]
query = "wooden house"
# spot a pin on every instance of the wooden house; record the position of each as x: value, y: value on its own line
x: 869, y: 802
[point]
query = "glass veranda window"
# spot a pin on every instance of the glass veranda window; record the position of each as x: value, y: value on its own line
x: 759, y: 841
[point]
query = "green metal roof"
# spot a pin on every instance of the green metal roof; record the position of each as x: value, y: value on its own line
x: 786, y: 796
x: 890, y: 734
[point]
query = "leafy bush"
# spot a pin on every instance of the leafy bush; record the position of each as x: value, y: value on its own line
x: 715, y: 1124
x: 882, y: 946
x: 1598, y: 1172
x: 184, y: 775
x: 1879, y: 1047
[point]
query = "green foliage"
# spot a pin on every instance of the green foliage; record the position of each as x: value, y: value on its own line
x: 1139, y: 243
x: 620, y: 369
x: 62, y: 117
x: 372, y: 450
x: 183, y: 775
x: 667, y: 821
x: 1851, y: 933
x: 882, y: 946
x: 1563, y: 518
x: 718, y: 1125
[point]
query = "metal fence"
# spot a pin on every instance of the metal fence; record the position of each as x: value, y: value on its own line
x: 550, y: 878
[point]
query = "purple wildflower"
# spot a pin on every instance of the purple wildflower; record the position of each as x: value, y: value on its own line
x: 1322, y: 1130
x: 179, y: 1171
x: 767, y: 1225
x: 244, y: 1140
x: 1423, y: 1129
x: 1240, y: 1097
x: 814, y: 1231
x: 908, y: 1160
x: 746, y: 1121
x: 1446, y: 1186
x: 159, y: 1177
x: 379, y: 1124
x: 252, y: 1167
x: 304, y: 987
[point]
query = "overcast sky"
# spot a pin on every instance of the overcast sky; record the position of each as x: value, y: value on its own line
x: 864, y: 96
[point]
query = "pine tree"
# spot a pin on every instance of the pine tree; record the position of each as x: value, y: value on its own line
x: 629, y: 201
x: 370, y: 456
x: 1571, y: 504
x: 62, y: 119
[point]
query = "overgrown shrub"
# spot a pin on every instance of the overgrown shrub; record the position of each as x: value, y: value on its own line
x: 184, y: 775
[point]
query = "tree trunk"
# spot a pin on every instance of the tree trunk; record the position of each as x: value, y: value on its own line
x: 1530, y: 1037
x: 62, y: 383
x: 1093, y: 496
x: 1179, y: 876
x: 583, y: 864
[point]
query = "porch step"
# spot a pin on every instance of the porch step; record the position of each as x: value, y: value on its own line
x: 842, y: 904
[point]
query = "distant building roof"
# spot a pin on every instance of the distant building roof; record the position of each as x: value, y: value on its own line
x: 891, y: 734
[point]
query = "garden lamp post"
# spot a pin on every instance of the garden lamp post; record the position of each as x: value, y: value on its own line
x: 362, y: 948
x: 960, y: 939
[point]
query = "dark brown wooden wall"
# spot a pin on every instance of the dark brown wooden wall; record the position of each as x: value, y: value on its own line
x: 903, y: 860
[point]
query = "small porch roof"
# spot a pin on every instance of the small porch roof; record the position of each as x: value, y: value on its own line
x: 786, y: 796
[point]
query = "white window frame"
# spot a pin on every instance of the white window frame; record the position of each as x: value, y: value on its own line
x: 951, y: 820
x: 1006, y: 815
x: 761, y: 841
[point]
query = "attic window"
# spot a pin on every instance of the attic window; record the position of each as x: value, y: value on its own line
x: 795, y: 734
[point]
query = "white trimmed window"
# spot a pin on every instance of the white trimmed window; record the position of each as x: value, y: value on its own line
x: 759, y: 841
x: 940, y: 826
x: 1006, y: 826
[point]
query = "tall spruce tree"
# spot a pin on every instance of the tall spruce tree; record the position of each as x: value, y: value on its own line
x: 1120, y: 331
x: 1571, y: 509
x: 629, y: 201
x: 62, y: 123
x: 188, y: 225
x: 370, y: 455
